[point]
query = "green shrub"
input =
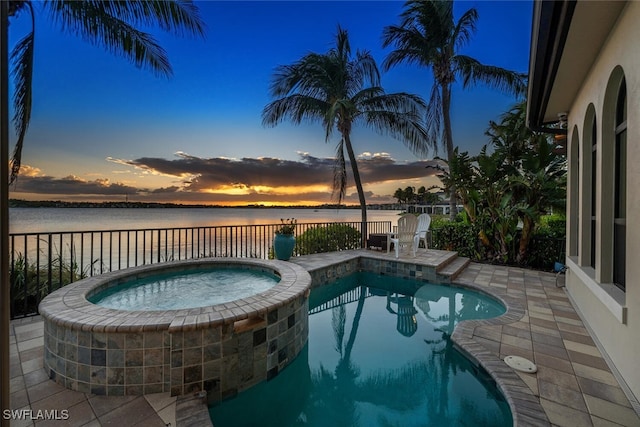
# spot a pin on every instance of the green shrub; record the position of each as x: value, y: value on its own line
x: 330, y: 238
x: 439, y: 221
x: 456, y: 236
x: 544, y: 251
x: 552, y: 226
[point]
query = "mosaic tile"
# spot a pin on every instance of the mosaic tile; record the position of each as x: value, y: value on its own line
x: 133, y: 358
x: 153, y: 356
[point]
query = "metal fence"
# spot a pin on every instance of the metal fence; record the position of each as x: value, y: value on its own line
x: 43, y: 262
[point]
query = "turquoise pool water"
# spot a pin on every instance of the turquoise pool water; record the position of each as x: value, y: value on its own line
x: 191, y: 289
x: 378, y: 354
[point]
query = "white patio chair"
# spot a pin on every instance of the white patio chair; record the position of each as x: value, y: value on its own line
x: 424, y: 221
x: 405, y: 236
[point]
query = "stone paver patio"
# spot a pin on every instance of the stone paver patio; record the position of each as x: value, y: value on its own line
x: 574, y: 385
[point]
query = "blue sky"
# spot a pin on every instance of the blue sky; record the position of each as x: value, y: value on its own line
x: 101, y: 128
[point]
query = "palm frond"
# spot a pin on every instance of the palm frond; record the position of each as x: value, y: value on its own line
x: 362, y: 72
x: 22, y: 72
x: 294, y: 107
x: 178, y: 17
x: 313, y: 75
x: 473, y: 72
x: 94, y: 22
x: 17, y: 6
x: 411, y: 47
x: 465, y: 28
x: 400, y: 116
x: 434, y: 18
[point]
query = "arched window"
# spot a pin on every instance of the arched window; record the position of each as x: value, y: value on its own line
x: 573, y: 194
x: 588, y: 184
x: 620, y: 188
x: 594, y: 182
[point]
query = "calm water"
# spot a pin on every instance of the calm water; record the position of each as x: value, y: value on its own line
x: 378, y: 354
x: 26, y: 220
x: 185, y: 289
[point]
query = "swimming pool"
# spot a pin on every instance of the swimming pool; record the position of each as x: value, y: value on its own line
x: 378, y: 353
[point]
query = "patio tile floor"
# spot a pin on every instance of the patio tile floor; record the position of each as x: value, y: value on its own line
x: 574, y: 385
x: 32, y: 389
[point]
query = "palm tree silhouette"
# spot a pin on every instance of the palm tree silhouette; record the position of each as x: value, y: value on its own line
x: 339, y: 90
x: 335, y: 394
x: 429, y: 36
x: 111, y: 24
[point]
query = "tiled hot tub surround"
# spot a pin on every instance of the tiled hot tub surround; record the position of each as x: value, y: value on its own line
x: 222, y: 349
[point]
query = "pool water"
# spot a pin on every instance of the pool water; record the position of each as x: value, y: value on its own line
x: 191, y: 289
x: 378, y: 354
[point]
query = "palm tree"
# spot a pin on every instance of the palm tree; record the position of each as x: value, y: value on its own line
x: 429, y: 37
x: 399, y: 195
x: 409, y: 195
x: 339, y: 90
x: 106, y: 23
x: 111, y: 24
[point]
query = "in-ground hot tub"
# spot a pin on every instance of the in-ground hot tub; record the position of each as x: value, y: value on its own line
x: 220, y: 347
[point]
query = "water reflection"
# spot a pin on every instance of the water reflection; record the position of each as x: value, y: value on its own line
x: 406, y: 324
x: 380, y: 354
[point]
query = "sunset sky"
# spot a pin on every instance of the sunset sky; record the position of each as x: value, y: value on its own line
x: 102, y: 129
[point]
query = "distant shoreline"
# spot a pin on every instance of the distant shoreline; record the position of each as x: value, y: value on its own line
x: 17, y: 203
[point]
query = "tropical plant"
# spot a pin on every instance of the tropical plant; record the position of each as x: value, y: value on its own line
x: 288, y: 226
x: 537, y: 175
x: 429, y: 36
x: 518, y: 182
x: 31, y: 282
x: 111, y: 24
x: 340, y: 91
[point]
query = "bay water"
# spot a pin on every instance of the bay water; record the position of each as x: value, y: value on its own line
x: 31, y: 220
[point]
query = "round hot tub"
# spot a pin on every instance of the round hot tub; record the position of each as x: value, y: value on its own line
x: 217, y: 324
x: 177, y: 290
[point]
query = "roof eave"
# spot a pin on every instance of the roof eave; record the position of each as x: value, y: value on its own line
x: 549, y: 30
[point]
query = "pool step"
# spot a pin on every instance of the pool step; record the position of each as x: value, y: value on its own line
x: 192, y: 410
x: 454, y: 267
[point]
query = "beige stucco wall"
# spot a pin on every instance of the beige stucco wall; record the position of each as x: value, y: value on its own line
x: 613, y: 316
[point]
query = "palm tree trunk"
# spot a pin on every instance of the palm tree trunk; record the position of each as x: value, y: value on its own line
x: 356, y: 178
x: 527, y: 228
x: 448, y: 142
x: 356, y: 322
x: 5, y: 294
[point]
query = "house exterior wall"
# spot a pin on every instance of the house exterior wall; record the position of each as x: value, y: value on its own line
x: 612, y: 314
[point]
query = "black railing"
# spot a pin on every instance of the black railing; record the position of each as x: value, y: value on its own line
x: 342, y: 299
x: 43, y: 262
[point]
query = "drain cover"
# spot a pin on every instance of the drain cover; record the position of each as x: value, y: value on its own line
x: 521, y: 364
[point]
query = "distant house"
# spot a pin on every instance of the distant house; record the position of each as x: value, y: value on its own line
x: 585, y: 75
